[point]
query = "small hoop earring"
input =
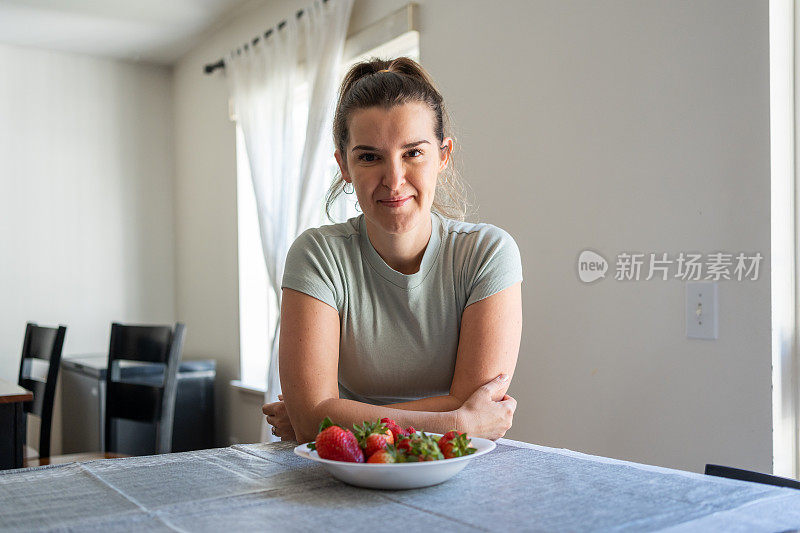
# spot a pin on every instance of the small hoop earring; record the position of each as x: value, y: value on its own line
x: 344, y: 188
x: 358, y: 207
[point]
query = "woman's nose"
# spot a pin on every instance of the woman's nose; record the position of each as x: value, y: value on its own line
x: 394, y: 175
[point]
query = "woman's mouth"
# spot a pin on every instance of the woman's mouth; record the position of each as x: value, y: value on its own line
x: 395, y: 202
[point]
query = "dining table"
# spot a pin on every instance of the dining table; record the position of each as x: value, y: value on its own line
x: 517, y: 486
x: 12, y: 424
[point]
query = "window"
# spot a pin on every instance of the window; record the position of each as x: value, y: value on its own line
x: 784, y: 214
x: 258, y: 307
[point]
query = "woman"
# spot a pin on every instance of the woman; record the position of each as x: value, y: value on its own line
x: 399, y: 312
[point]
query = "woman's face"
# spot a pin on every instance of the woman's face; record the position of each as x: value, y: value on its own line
x: 393, y: 160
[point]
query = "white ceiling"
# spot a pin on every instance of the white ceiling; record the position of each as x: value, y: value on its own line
x: 153, y: 31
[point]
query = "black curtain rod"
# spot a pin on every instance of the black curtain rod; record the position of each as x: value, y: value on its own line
x: 211, y: 67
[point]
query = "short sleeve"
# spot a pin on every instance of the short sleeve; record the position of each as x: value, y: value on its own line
x: 311, y: 269
x: 495, y: 264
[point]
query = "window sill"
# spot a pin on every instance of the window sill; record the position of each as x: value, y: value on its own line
x: 249, y: 389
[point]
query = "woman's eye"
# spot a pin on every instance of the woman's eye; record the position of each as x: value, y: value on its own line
x: 368, y: 157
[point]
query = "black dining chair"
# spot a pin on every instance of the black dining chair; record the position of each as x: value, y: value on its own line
x: 747, y: 475
x: 41, y: 346
x: 141, y: 396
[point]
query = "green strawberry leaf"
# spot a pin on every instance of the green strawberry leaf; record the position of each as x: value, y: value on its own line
x: 366, y: 429
x: 326, y: 423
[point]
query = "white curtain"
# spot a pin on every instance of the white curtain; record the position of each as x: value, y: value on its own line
x: 288, y: 154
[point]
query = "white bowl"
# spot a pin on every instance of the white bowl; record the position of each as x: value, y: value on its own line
x: 398, y: 475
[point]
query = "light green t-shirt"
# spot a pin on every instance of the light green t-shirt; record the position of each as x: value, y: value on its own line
x: 399, y: 333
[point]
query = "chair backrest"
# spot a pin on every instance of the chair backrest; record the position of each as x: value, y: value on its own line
x: 143, y: 400
x: 747, y: 475
x: 42, y: 346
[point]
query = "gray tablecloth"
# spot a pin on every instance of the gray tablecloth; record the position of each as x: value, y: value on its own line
x: 518, y: 487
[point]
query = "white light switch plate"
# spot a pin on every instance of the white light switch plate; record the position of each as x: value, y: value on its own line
x: 702, y: 310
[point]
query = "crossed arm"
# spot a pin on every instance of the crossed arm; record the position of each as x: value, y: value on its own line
x: 488, y: 345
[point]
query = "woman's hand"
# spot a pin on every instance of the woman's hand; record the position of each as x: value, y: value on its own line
x: 278, y: 418
x: 481, y: 416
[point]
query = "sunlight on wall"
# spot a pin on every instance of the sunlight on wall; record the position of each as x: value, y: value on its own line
x: 784, y: 389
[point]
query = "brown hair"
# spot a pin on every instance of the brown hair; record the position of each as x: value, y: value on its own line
x: 388, y: 83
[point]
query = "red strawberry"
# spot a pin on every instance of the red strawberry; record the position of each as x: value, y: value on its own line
x: 386, y: 455
x: 369, y: 428
x: 457, y: 446
x: 396, y: 430
x: 422, y: 447
x: 447, y: 449
x: 404, y: 444
x: 338, y: 444
x: 450, y: 435
x: 374, y: 442
x: 444, y: 443
x: 410, y: 430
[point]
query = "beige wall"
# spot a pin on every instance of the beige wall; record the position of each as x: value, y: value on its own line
x: 86, y: 216
x: 617, y: 126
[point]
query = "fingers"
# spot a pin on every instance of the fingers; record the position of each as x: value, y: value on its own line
x: 498, y: 382
x: 285, y: 429
x: 278, y: 418
x: 509, y: 402
x: 271, y: 408
x: 286, y: 435
x: 279, y: 421
x: 282, y: 427
x: 495, y: 385
x: 282, y: 432
x: 275, y: 408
